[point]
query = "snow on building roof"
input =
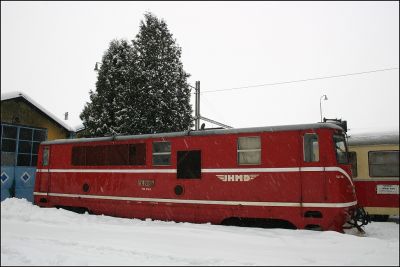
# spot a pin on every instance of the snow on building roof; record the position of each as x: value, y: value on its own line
x: 79, y: 127
x: 12, y: 95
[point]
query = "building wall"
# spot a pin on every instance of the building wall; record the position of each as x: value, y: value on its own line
x: 16, y: 111
x: 18, y: 176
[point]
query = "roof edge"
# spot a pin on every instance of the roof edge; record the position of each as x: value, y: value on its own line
x: 17, y: 94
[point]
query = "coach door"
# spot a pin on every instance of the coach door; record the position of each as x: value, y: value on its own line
x: 44, y: 170
x: 311, y: 171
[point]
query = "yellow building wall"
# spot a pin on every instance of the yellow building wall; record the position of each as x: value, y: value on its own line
x: 20, y: 113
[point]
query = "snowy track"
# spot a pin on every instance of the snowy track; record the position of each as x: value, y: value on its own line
x: 37, y: 236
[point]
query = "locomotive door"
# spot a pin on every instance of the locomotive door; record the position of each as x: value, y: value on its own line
x: 45, y: 172
x: 311, y: 172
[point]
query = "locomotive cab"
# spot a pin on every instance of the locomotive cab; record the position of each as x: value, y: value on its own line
x: 356, y: 216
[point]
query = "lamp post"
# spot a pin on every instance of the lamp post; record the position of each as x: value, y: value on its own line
x: 324, y: 97
x: 97, y: 66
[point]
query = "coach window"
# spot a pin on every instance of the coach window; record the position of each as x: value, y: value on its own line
x: 249, y: 150
x: 383, y: 163
x: 311, y: 147
x: 161, y: 153
x: 353, y: 162
x: 189, y: 164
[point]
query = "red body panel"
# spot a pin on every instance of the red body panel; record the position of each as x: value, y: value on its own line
x: 285, y: 187
x: 368, y: 196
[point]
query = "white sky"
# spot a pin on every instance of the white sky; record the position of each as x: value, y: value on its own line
x: 49, y: 49
x: 33, y: 236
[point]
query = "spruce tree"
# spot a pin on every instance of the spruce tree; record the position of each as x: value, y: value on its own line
x: 102, y: 115
x: 141, y: 88
x: 158, y: 86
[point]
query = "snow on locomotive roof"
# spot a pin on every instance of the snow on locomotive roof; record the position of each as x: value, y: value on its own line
x: 374, y: 138
x: 201, y: 132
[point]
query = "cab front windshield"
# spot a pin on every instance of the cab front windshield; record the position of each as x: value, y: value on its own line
x: 341, y: 149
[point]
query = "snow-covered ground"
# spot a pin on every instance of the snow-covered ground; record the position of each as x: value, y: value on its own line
x: 38, y: 236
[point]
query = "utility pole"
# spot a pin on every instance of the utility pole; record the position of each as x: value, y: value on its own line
x: 197, y: 115
x: 197, y: 106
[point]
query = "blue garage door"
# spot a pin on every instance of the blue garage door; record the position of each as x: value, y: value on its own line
x: 19, y: 152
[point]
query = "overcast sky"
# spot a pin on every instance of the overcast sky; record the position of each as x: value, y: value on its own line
x: 49, y: 49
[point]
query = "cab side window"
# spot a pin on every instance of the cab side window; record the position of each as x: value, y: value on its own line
x: 311, y: 147
x: 353, y: 162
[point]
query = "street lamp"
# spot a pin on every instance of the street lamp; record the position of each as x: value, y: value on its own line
x: 324, y: 97
x: 96, y: 67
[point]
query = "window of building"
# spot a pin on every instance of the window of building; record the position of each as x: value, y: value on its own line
x: 161, y: 153
x: 9, y: 131
x: 8, y: 145
x: 109, y: 155
x: 383, y: 163
x: 20, y: 145
x: 311, y: 147
x: 353, y: 162
x: 189, y: 164
x: 249, y: 150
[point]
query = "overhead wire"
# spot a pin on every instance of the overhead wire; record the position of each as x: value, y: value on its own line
x: 300, y: 80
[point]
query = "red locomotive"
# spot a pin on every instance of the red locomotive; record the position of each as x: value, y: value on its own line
x: 294, y: 176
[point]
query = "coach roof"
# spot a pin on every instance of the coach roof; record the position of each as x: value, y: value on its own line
x: 374, y: 138
x: 200, y: 133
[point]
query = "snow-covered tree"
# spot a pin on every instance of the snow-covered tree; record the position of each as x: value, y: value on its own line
x: 158, y: 85
x: 141, y: 88
x: 102, y: 115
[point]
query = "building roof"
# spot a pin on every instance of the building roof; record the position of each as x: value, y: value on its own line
x: 13, y: 95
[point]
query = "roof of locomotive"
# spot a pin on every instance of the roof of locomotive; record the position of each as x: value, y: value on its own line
x: 200, y: 133
x: 374, y: 138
